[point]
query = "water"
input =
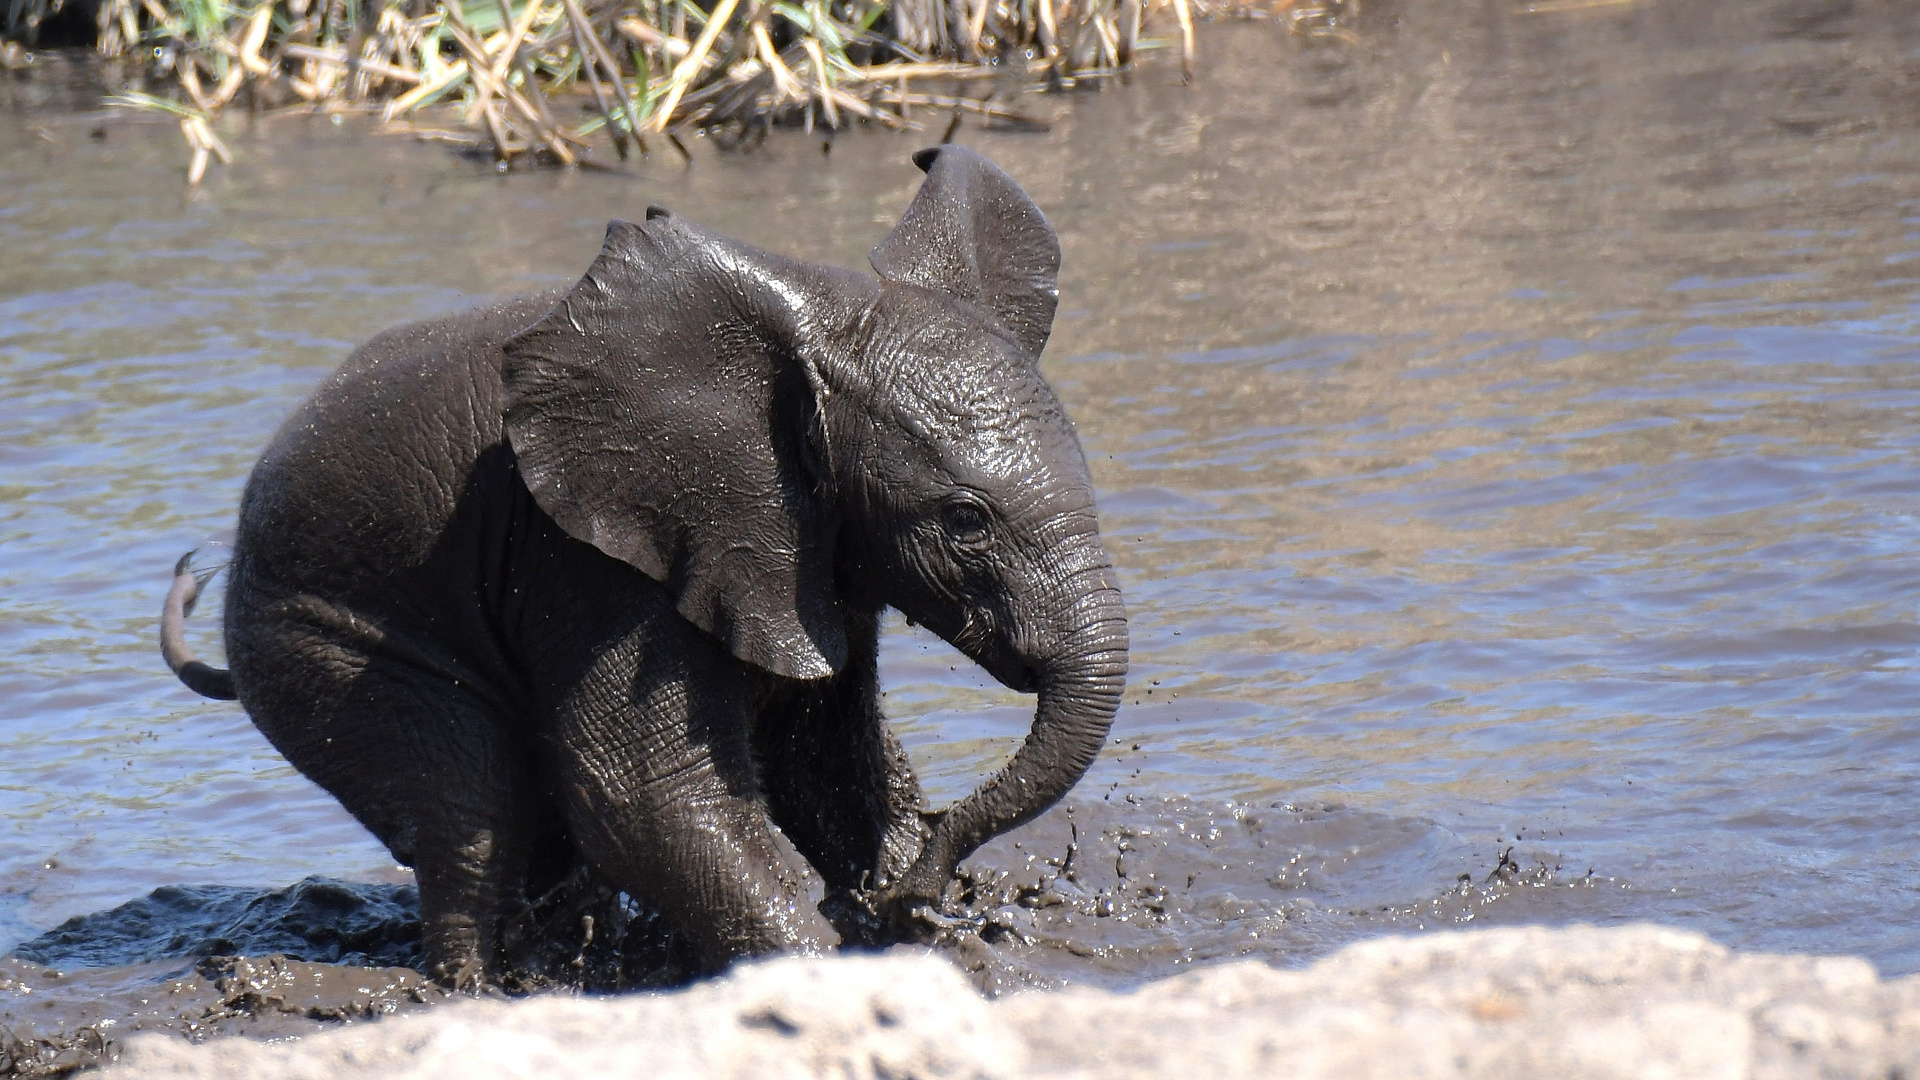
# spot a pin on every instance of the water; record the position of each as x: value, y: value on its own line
x: 1504, y: 429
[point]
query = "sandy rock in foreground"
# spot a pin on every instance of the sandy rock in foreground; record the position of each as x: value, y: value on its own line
x: 1640, y: 1002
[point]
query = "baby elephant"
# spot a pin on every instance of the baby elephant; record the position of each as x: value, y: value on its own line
x: 597, y: 576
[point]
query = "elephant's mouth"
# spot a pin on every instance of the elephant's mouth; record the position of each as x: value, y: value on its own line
x: 1016, y: 676
x: 977, y: 638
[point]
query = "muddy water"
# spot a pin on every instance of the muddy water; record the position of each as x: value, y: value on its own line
x: 1504, y: 425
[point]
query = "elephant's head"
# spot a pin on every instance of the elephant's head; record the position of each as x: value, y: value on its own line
x: 782, y: 445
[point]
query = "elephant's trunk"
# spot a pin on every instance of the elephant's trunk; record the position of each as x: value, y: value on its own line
x: 1079, y: 685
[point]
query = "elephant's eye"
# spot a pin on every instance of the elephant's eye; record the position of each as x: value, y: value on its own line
x: 966, y: 522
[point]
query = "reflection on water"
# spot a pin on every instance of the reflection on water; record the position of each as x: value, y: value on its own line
x: 1504, y: 429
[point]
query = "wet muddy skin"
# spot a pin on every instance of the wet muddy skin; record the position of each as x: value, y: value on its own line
x: 1504, y: 431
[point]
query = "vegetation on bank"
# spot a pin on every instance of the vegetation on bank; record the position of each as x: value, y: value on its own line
x: 540, y: 81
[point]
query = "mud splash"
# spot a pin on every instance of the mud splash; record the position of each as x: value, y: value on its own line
x: 1098, y: 894
x: 55, y: 1021
x: 209, y: 960
x: 1093, y: 893
x: 218, y: 960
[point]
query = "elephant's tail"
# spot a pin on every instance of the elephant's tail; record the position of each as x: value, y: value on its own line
x: 203, y: 679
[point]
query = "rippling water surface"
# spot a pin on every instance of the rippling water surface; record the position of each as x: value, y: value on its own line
x: 1505, y: 429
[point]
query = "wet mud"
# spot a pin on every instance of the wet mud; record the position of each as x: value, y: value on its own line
x: 204, y: 961
x: 209, y: 960
x: 1091, y: 894
x: 54, y: 1021
x: 319, y: 920
x: 1095, y: 894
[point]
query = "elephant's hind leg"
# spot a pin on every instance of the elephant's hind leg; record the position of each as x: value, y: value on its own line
x: 426, y: 764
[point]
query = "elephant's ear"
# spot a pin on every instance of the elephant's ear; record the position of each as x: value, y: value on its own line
x: 972, y: 233
x: 661, y: 413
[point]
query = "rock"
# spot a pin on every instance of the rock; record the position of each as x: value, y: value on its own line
x: 1641, y: 1002
x: 853, y: 1017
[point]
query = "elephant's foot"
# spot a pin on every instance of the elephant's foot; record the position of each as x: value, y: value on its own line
x: 854, y: 918
x: 454, y: 957
x: 462, y: 915
x: 894, y: 914
x: 914, y: 905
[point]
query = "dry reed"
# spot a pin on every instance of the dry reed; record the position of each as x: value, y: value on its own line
x: 540, y: 81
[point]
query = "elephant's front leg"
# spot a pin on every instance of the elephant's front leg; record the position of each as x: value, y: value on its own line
x: 661, y: 791
x: 839, y: 783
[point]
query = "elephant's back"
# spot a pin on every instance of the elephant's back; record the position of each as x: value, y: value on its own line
x: 366, y: 480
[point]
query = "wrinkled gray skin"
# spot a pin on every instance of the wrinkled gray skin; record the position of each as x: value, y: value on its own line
x: 598, y: 576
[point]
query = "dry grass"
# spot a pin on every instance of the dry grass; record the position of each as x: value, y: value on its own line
x: 545, y: 81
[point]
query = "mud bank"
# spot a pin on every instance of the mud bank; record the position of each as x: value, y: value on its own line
x: 1637, y: 1001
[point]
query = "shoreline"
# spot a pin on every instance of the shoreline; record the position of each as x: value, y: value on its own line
x: 566, y: 83
x: 1577, y: 1002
